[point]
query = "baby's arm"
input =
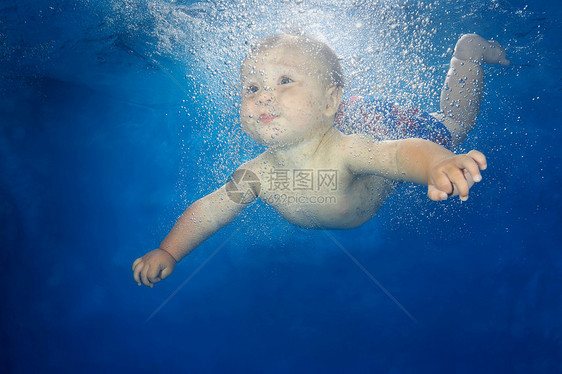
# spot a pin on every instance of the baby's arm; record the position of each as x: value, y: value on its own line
x: 415, y: 160
x: 199, y: 221
x: 444, y: 173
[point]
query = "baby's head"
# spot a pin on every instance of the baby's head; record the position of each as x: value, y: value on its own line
x: 316, y: 52
x: 291, y: 89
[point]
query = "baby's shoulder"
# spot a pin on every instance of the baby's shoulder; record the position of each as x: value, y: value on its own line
x: 338, y: 150
x: 350, y: 139
x: 258, y: 164
x: 355, y: 150
x: 348, y: 143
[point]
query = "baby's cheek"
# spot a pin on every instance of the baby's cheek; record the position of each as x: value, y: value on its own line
x: 245, y: 111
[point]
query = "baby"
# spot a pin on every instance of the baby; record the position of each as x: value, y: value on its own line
x: 322, y: 169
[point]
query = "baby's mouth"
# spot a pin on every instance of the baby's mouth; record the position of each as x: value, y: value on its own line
x: 266, y: 118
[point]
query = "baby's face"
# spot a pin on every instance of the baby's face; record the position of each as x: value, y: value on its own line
x: 283, y: 97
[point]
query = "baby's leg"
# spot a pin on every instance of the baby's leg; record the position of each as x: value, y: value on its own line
x: 462, y: 92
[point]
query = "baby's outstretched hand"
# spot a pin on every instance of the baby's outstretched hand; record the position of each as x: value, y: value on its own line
x: 455, y: 176
x: 473, y: 47
x: 153, y: 267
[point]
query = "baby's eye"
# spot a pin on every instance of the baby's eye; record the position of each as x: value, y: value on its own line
x: 285, y: 80
x: 252, y: 89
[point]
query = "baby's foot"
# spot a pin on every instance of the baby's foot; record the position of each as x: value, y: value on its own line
x: 472, y: 47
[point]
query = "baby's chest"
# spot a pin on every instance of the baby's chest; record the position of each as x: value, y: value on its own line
x: 299, y: 194
x: 320, y: 197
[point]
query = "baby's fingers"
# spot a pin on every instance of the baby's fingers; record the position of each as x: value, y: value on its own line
x: 166, y: 272
x: 144, y: 277
x: 137, y: 261
x: 479, y: 158
x: 440, y: 187
x: 435, y: 194
x: 459, y: 182
x: 137, y: 268
x: 471, y: 163
x: 154, y: 275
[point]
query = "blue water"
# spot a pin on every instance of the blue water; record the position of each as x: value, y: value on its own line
x: 114, y: 116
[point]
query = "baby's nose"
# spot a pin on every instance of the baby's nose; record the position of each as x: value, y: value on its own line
x: 266, y: 95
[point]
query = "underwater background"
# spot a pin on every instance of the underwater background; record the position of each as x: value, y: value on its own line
x: 116, y: 115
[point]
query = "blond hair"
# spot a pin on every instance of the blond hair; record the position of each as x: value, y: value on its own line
x: 317, y: 50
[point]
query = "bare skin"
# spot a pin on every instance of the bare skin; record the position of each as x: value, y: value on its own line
x: 288, y: 106
x: 462, y: 92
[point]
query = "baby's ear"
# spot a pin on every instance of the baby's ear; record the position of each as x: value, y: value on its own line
x: 334, y: 96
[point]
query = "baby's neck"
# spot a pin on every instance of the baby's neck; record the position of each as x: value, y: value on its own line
x: 304, y: 153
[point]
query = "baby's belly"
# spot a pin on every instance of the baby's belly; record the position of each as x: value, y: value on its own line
x: 337, y: 210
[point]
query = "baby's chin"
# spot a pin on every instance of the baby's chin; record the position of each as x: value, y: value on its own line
x: 270, y: 137
x: 273, y: 142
